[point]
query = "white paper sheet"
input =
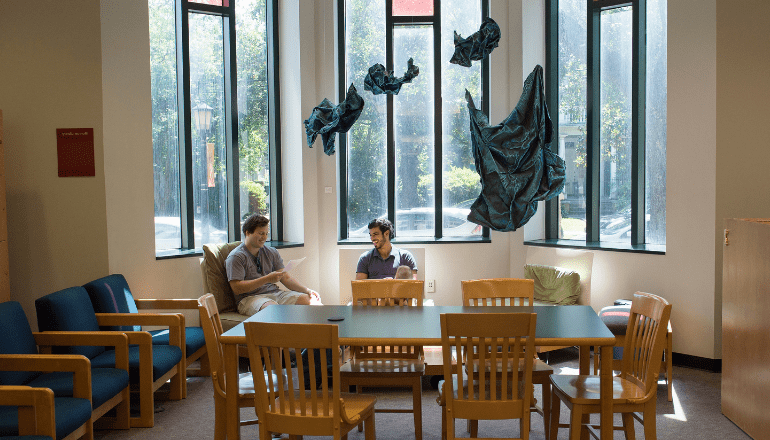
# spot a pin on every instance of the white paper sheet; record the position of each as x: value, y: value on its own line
x: 291, y: 264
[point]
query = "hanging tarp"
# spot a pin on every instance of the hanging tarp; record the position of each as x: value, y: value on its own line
x: 328, y: 119
x: 478, y: 45
x: 514, y: 160
x: 379, y: 80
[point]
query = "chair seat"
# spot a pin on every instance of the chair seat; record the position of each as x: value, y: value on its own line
x: 26, y: 437
x: 354, y: 404
x: 70, y: 412
x: 164, y: 358
x: 584, y: 389
x: 194, y: 340
x: 384, y: 366
x: 106, y: 383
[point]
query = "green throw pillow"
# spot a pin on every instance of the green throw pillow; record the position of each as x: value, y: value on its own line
x: 554, y: 285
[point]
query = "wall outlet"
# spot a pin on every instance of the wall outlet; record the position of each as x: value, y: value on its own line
x: 430, y: 286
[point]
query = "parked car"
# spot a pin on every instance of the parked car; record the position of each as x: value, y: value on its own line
x: 419, y: 222
x: 168, y: 233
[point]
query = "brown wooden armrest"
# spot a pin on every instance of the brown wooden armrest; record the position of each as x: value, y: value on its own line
x: 116, y: 339
x: 166, y: 304
x: 36, y: 409
x: 174, y: 322
x: 76, y: 363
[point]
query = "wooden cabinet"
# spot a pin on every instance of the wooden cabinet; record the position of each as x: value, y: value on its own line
x: 746, y: 325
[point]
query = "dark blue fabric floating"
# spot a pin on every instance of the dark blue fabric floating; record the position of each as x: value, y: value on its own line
x: 514, y: 160
x: 328, y: 119
x: 478, y: 45
x: 379, y: 80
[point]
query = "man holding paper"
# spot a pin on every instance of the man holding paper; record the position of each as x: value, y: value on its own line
x: 253, y: 269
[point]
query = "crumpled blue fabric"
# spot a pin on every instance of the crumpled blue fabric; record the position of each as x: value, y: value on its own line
x: 379, y: 80
x: 328, y: 119
x: 514, y: 160
x: 478, y: 45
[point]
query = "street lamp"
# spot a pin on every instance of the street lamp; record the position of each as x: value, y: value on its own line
x: 201, y: 114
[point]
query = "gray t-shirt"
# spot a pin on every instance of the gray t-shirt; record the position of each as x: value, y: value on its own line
x: 241, y: 265
x: 372, y: 264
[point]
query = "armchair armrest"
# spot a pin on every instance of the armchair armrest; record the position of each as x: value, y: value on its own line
x: 116, y: 339
x: 174, y: 322
x: 166, y: 304
x: 78, y: 364
x: 36, y: 409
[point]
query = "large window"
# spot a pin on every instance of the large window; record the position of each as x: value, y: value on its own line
x: 409, y: 157
x: 214, y: 129
x: 607, y: 66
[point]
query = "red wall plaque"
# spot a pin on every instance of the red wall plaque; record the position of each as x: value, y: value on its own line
x: 75, y: 149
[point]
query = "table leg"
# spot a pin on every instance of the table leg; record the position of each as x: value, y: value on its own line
x: 231, y: 392
x: 584, y: 367
x: 606, y: 392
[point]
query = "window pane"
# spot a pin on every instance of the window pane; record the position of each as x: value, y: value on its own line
x: 655, y: 203
x: 615, y: 136
x: 165, y: 140
x: 208, y: 135
x: 461, y: 183
x: 366, y: 148
x: 254, y: 157
x: 414, y: 134
x: 224, y: 3
x: 413, y: 7
x: 572, y: 117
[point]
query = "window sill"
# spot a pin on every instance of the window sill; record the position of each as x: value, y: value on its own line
x: 168, y: 254
x: 657, y: 249
x: 421, y: 240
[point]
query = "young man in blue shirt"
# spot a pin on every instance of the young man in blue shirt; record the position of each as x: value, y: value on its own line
x: 383, y: 261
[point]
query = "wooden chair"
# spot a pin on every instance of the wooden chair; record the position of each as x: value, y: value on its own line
x: 635, y: 389
x: 282, y: 409
x: 504, y: 343
x: 388, y: 366
x: 35, y: 407
x: 511, y: 292
x: 212, y: 330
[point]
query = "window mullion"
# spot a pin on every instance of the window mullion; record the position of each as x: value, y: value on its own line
x: 438, y: 125
x: 638, y: 132
x: 391, y: 148
x: 231, y: 129
x: 187, y: 203
x: 593, y: 121
x: 552, y: 100
x: 274, y: 123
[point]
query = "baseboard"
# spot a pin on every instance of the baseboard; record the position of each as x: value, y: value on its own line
x: 700, y: 363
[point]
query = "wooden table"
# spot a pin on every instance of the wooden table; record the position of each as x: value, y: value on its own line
x: 556, y: 326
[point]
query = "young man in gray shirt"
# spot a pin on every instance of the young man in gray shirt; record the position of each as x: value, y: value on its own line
x: 253, y: 269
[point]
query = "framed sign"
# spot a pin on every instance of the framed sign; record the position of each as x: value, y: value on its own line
x: 75, y: 150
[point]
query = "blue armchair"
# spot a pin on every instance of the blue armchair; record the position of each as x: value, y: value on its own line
x: 108, y: 386
x: 111, y: 294
x: 149, y: 366
x: 34, y: 411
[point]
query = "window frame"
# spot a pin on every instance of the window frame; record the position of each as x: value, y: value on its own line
x: 593, y: 127
x: 184, y: 127
x: 391, y: 22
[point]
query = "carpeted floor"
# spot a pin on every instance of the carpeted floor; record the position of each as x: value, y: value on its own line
x: 694, y: 413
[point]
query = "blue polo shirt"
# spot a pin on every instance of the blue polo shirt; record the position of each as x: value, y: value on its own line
x: 372, y: 264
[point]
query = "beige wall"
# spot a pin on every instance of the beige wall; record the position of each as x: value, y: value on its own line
x: 50, y: 77
x: 106, y: 221
x: 743, y: 94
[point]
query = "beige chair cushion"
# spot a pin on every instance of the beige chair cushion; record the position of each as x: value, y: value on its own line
x: 554, y: 285
x: 215, y: 274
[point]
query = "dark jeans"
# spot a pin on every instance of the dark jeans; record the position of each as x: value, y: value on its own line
x: 319, y: 371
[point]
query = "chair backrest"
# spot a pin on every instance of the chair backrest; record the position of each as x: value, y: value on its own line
x: 645, y: 341
x: 111, y: 294
x: 16, y: 338
x: 394, y: 293
x: 498, y: 292
x: 69, y: 309
x: 212, y: 330
x: 579, y: 262
x: 502, y: 341
x: 215, y: 275
x: 278, y: 406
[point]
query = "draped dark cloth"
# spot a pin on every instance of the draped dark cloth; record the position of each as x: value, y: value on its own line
x: 514, y: 160
x: 379, y: 80
x: 328, y: 119
x: 478, y: 45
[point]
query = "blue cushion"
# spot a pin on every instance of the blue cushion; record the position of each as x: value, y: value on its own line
x: 194, y: 339
x: 68, y: 310
x: 26, y: 437
x: 111, y: 294
x: 70, y: 414
x: 164, y: 358
x: 106, y: 383
x: 16, y: 338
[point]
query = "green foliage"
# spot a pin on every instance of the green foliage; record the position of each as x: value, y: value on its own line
x: 257, y: 196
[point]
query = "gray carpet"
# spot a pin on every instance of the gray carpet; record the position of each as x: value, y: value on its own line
x: 694, y: 414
